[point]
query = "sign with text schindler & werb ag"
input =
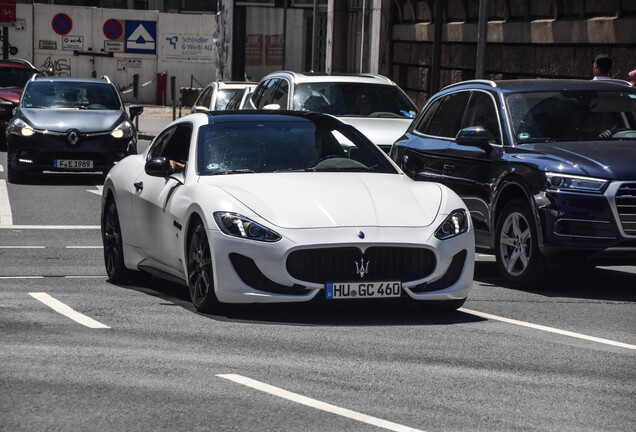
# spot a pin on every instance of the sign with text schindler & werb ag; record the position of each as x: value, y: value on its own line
x: 187, y: 47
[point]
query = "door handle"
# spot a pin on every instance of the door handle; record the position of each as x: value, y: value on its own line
x: 139, y: 186
x: 449, y: 167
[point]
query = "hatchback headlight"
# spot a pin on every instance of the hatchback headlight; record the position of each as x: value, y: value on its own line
x: 20, y: 127
x: 124, y: 130
x: 557, y: 181
x: 455, y: 224
x: 235, y: 225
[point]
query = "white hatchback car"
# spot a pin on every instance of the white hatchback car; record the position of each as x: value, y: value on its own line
x: 216, y: 95
x: 373, y: 104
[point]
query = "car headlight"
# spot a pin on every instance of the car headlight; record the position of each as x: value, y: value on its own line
x: 557, y: 181
x: 124, y: 130
x: 20, y: 127
x: 455, y: 224
x: 235, y: 225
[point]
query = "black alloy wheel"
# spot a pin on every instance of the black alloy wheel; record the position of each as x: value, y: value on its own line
x: 113, y: 249
x: 200, y: 275
x: 519, y: 259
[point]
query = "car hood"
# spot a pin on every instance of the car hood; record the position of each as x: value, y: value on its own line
x: 612, y: 160
x: 323, y: 200
x: 11, y: 95
x: 61, y: 120
x: 381, y: 131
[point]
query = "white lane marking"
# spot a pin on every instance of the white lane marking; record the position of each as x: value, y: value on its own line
x: 6, y: 218
x: 295, y: 397
x: 84, y: 277
x: 548, y: 329
x: 21, y: 277
x: 1, y: 168
x: 99, y: 190
x: 63, y: 309
x: 84, y: 247
x: 51, y: 227
x: 22, y: 247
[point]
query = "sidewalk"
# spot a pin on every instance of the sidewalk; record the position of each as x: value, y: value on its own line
x: 155, y: 118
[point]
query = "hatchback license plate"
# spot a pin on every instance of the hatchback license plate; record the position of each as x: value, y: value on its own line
x: 73, y: 164
x: 350, y: 290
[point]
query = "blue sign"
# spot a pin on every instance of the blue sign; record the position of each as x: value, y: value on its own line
x: 141, y: 37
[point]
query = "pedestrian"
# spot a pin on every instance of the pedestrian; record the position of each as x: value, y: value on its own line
x: 602, y: 67
x: 632, y: 77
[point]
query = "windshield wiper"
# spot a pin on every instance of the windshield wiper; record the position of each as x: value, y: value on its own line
x: 236, y: 171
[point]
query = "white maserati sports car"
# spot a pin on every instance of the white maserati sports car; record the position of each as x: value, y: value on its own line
x: 281, y: 206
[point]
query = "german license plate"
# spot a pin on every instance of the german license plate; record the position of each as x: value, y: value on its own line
x: 73, y: 164
x: 351, y: 290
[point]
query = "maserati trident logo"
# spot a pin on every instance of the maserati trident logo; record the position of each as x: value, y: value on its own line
x: 73, y: 137
x: 361, y: 268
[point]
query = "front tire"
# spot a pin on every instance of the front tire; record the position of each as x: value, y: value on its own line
x: 113, y: 245
x: 519, y: 259
x: 200, y: 273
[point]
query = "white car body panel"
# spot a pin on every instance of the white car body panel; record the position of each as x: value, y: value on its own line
x: 381, y: 131
x: 327, y: 200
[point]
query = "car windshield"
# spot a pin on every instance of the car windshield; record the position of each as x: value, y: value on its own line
x: 572, y: 115
x: 354, y: 100
x: 13, y: 77
x: 71, y: 94
x: 224, y: 96
x: 286, y: 145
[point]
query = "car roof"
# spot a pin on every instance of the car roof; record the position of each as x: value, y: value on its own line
x: 310, y: 77
x: 103, y: 80
x: 17, y: 62
x: 237, y: 116
x: 537, y: 85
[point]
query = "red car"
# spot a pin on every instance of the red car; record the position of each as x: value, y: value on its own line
x: 14, y: 74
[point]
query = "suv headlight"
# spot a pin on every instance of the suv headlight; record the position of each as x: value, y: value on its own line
x: 20, y: 127
x: 455, y: 224
x: 124, y: 130
x: 235, y: 225
x: 557, y: 181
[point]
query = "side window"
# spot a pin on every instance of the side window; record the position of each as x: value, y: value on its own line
x: 204, y: 98
x: 178, y: 145
x: 448, y: 117
x: 481, y: 111
x: 258, y: 93
x: 281, y: 93
x: 425, y: 119
x: 159, y: 144
x: 268, y: 95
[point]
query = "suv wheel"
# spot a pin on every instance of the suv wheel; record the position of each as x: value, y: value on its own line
x: 519, y: 259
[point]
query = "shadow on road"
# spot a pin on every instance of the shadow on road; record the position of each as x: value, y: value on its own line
x: 594, y: 283
x: 63, y: 179
x: 318, y: 312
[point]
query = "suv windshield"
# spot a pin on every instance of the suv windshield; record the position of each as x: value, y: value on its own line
x: 572, y: 115
x: 275, y: 146
x: 14, y: 77
x: 354, y: 99
x: 69, y: 94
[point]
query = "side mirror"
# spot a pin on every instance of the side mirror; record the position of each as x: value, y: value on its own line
x: 199, y: 108
x: 6, y: 107
x: 474, y: 136
x: 158, y: 167
x: 135, y: 110
x: 271, y: 107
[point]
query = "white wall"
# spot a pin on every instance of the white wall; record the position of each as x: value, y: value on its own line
x: 88, y: 23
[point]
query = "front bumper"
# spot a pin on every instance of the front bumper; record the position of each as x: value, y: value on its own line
x: 39, y: 152
x: 247, y: 271
x: 594, y: 225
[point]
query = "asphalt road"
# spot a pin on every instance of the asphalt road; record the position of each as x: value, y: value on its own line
x: 139, y: 357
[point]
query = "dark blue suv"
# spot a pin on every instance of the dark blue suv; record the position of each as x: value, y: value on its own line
x: 546, y: 167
